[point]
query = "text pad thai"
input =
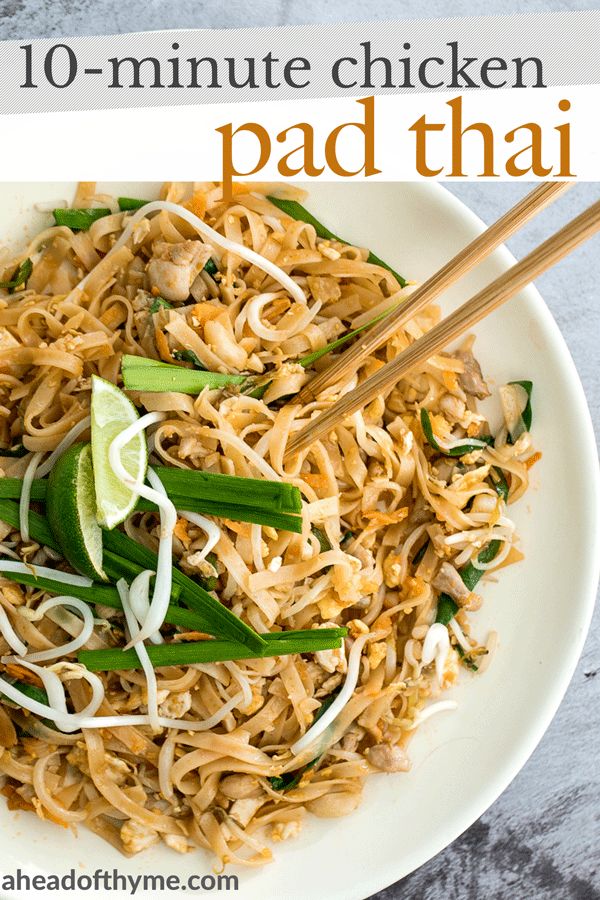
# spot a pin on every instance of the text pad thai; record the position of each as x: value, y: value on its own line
x: 200, y: 640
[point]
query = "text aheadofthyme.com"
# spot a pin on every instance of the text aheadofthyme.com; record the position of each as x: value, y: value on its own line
x: 112, y: 880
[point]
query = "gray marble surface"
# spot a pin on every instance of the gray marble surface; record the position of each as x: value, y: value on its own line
x: 540, y: 839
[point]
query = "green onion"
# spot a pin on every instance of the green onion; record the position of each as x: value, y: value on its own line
x: 188, y: 356
x: 527, y: 414
x: 467, y: 659
x: 298, y: 212
x: 420, y: 553
x: 104, y: 595
x: 212, y: 617
x: 39, y: 530
x: 126, y: 204
x: 216, y: 618
x: 10, y: 488
x: 185, y: 654
x: 447, y: 609
x: 470, y: 574
x: 141, y: 374
x: 237, y: 513
x: 211, y: 267
x: 20, y: 277
x: 209, y: 582
x: 30, y: 690
x: 311, y: 358
x: 117, y: 567
x: 79, y: 219
x: 499, y: 483
x: 277, y: 495
x: 324, y: 542
x: 467, y: 447
x: 258, y: 501
x: 16, y: 452
x: 159, y: 303
x: 290, y: 780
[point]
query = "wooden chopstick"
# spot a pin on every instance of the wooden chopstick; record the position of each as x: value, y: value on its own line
x: 482, y: 304
x: 343, y: 369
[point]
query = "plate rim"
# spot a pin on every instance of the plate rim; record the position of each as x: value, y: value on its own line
x: 385, y: 875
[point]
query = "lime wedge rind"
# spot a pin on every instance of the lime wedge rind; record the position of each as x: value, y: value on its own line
x: 71, y: 511
x: 111, y: 413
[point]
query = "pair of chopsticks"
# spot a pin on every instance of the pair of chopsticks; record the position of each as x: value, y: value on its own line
x: 482, y: 304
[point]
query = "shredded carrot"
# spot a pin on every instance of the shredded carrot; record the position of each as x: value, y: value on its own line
x: 535, y: 457
x: 162, y: 344
x: 450, y: 380
x: 23, y: 674
x: 382, y: 518
x: 181, y: 531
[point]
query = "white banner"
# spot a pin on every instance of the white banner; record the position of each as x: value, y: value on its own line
x: 484, y: 135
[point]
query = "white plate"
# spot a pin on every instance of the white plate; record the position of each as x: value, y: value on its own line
x: 541, y: 608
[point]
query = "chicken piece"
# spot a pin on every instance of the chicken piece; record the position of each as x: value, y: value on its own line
x: 137, y: 837
x: 471, y: 380
x: 177, y: 842
x: 449, y: 582
x: 421, y: 512
x: 176, y: 706
x: 388, y: 758
x: 244, y: 810
x: 173, y: 268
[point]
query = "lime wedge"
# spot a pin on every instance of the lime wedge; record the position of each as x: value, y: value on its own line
x: 112, y: 412
x: 71, y: 511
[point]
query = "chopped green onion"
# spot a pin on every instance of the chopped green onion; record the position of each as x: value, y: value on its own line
x: 527, y: 414
x: 420, y: 553
x: 290, y: 780
x: 30, y: 690
x: 470, y: 574
x: 298, y: 212
x: 311, y: 358
x: 160, y: 303
x: 79, y: 219
x: 185, y: 654
x: 151, y: 375
x: 467, y: 447
x: 188, y: 356
x: 20, y: 277
x: 126, y: 204
x: 216, y: 618
x: 16, y: 452
x: 211, y: 267
x: 447, y: 609
x: 499, y: 483
x: 324, y: 542
x: 467, y: 659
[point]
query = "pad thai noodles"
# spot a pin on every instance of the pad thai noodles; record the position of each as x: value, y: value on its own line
x: 203, y: 640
